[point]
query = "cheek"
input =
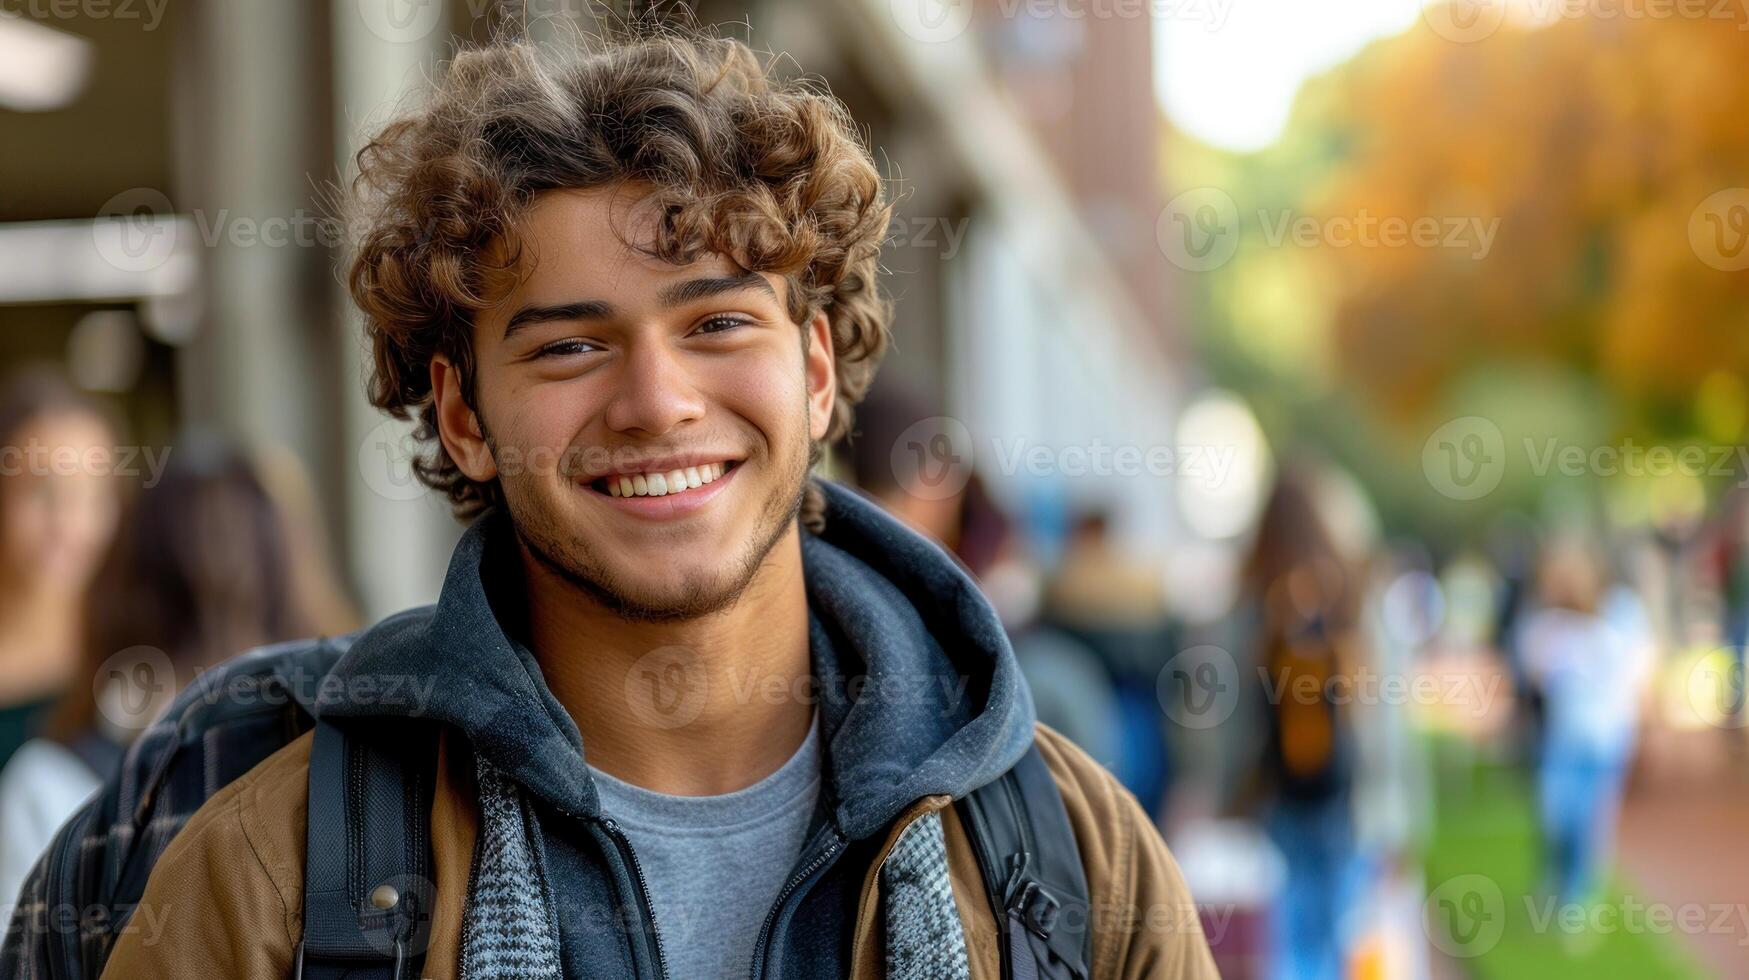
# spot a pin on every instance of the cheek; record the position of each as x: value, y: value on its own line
x: 767, y: 389
x: 534, y: 424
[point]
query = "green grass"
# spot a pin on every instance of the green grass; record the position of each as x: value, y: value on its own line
x: 1484, y: 851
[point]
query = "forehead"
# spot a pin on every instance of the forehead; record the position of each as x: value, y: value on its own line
x: 594, y: 240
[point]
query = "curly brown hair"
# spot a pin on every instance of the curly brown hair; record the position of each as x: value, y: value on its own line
x: 772, y: 174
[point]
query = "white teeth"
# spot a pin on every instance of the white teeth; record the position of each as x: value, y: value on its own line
x: 662, y: 484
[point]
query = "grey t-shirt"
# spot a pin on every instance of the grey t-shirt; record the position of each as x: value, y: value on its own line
x: 716, y: 863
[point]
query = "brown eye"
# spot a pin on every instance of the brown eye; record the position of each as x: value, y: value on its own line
x: 721, y: 324
x: 566, y: 348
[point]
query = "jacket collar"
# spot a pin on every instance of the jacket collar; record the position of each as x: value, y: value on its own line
x: 920, y: 693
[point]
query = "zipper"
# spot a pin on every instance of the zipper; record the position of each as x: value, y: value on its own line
x: 1027, y: 850
x: 624, y: 844
x: 819, y: 861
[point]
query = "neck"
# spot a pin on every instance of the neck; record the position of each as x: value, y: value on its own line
x: 693, y: 708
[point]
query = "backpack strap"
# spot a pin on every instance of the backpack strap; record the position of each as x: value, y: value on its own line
x: 1032, y: 872
x: 367, y: 852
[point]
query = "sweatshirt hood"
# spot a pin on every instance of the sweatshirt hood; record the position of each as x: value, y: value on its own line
x: 919, y: 692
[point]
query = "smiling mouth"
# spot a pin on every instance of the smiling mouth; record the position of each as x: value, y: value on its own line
x: 664, y: 483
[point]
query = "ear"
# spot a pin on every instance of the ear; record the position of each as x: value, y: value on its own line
x: 457, y: 425
x: 822, y: 371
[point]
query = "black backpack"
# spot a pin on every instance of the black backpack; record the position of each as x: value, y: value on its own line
x: 367, y: 862
x: 369, y: 806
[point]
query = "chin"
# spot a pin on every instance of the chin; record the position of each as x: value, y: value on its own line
x: 674, y: 600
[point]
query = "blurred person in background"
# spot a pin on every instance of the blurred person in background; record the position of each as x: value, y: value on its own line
x: 1114, y: 605
x: 1733, y: 573
x: 1072, y: 689
x: 1588, y: 647
x: 1303, y: 605
x: 58, y: 507
x: 202, y: 567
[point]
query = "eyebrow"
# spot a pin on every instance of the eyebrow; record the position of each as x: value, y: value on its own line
x: 696, y: 289
x: 677, y: 294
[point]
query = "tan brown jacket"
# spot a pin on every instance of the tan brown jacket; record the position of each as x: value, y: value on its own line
x: 226, y: 898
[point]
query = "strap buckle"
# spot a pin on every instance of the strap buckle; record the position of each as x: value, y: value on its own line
x: 400, y: 961
x: 1038, y: 908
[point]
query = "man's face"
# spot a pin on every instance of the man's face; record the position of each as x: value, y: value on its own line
x: 649, y: 423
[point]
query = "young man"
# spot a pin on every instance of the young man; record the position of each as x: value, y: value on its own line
x: 694, y: 713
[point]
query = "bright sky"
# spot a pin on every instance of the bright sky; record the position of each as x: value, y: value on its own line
x: 1227, y: 70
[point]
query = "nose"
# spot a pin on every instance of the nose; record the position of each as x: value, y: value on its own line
x: 654, y: 393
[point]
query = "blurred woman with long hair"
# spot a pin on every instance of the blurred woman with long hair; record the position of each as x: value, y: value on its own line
x: 58, y: 505
x: 1303, y: 595
x: 200, y: 571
